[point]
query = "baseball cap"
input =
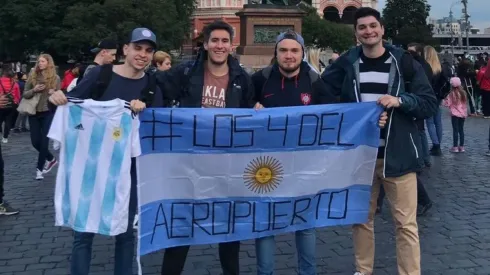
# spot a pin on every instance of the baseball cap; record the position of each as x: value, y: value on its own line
x: 291, y: 35
x: 143, y: 34
x: 106, y: 44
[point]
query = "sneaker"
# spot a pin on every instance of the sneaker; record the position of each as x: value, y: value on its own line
x: 359, y: 273
x: 488, y: 153
x: 16, y: 130
x: 461, y: 149
x: 6, y: 210
x: 39, y: 175
x: 435, y: 151
x: 454, y: 150
x: 49, y: 165
x: 5, y: 140
x: 24, y: 130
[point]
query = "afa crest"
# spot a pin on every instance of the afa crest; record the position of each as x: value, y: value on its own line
x: 263, y: 174
x: 117, y: 133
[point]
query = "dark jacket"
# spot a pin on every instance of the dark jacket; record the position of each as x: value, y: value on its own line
x: 184, y: 84
x: 428, y: 72
x: 402, y: 155
x: 279, y: 91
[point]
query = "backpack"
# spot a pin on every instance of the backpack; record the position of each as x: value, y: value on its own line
x: 105, y: 76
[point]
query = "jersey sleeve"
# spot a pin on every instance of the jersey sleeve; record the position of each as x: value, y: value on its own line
x: 58, y: 124
x: 135, y: 138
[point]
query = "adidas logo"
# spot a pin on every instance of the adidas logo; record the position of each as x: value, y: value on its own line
x: 79, y: 127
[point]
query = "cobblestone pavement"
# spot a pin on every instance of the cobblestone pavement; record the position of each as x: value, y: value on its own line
x: 455, y: 235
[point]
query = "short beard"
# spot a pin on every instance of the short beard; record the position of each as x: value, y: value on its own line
x: 288, y: 70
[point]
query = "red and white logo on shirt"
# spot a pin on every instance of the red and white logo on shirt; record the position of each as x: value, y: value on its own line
x: 305, y: 98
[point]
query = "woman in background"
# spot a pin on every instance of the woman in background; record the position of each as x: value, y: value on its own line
x: 42, y: 80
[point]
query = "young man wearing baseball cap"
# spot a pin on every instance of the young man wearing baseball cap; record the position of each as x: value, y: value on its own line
x: 128, y: 81
x: 105, y: 53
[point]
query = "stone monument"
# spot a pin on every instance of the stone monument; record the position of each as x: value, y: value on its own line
x: 260, y: 24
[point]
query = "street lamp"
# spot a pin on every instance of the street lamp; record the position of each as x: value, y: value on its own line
x: 451, y: 26
x: 467, y: 23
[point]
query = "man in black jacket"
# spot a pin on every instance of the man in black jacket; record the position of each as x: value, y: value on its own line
x: 371, y: 72
x: 214, y: 80
x: 290, y: 81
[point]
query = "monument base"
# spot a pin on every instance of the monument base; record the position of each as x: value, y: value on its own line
x: 259, y: 27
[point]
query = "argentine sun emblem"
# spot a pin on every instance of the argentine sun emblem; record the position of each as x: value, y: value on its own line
x: 263, y: 174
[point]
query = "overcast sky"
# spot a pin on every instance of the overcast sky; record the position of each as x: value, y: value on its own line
x: 479, y: 10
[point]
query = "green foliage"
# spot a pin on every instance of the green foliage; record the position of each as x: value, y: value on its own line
x: 405, y: 21
x: 323, y: 34
x: 68, y: 27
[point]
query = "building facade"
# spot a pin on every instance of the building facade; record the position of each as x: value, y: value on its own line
x: 209, y: 10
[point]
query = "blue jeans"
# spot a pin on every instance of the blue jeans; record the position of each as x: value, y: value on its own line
x: 434, y: 126
x: 39, y: 127
x: 305, y: 246
x: 424, y: 147
x: 124, y: 251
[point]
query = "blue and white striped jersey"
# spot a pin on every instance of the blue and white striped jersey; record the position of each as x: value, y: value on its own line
x: 93, y: 184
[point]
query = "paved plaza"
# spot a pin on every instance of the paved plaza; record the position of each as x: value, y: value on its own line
x: 455, y: 235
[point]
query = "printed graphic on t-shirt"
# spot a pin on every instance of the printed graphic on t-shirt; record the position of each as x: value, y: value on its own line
x: 214, y: 90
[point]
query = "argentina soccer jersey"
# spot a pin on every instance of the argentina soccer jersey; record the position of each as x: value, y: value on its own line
x: 98, y: 139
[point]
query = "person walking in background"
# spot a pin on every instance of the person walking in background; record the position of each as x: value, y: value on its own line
x: 162, y: 61
x: 417, y: 52
x: 5, y: 208
x: 10, y: 89
x: 70, y: 76
x: 456, y: 102
x: 313, y: 59
x: 467, y: 75
x: 441, y: 86
x: 19, y: 123
x: 44, y: 81
x: 483, y: 80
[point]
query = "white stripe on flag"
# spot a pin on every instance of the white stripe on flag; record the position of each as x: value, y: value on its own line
x: 203, y: 176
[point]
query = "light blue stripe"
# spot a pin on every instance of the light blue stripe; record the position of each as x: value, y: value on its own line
x: 90, y: 173
x: 169, y: 223
x: 224, y: 131
x: 114, y: 175
x: 71, y: 139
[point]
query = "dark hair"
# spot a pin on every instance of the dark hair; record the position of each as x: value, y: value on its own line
x: 217, y: 25
x: 365, y: 12
x: 419, y: 48
x: 7, y: 70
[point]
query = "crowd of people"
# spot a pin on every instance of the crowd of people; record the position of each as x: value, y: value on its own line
x: 411, y: 86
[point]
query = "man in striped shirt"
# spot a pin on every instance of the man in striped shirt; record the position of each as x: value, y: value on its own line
x: 373, y: 72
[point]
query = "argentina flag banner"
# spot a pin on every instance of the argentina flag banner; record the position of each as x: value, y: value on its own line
x: 218, y: 175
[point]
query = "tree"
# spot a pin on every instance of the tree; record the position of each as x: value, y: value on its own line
x: 405, y: 21
x: 323, y: 34
x: 71, y: 27
x: 115, y: 18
